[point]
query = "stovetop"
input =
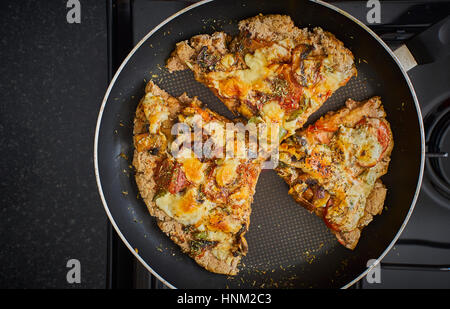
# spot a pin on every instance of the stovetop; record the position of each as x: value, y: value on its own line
x: 421, y: 257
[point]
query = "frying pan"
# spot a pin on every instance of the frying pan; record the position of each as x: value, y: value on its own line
x: 288, y: 247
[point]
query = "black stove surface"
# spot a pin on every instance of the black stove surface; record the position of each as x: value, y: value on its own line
x: 421, y: 257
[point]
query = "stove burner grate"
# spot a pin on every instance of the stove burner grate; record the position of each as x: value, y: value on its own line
x: 438, y: 143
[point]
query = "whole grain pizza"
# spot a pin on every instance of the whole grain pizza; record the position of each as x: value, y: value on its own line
x: 333, y: 167
x: 271, y: 70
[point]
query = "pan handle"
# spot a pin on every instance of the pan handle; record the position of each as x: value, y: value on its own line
x: 426, y: 47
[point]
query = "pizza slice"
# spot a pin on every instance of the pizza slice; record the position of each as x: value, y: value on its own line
x: 271, y: 71
x: 200, y: 197
x: 333, y: 167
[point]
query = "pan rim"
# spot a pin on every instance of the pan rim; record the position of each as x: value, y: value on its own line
x: 188, y: 8
x: 422, y: 137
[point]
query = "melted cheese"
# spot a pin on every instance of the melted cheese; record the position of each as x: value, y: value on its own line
x: 333, y: 79
x: 184, y: 208
x: 191, y: 165
x: 223, y: 222
x: 227, y: 61
x: 194, y: 170
x: 273, y: 111
x: 241, y: 196
x: 143, y: 142
x: 155, y: 110
x: 264, y: 64
x: 192, y: 121
x: 351, y: 208
x: 360, y: 144
x: 319, y: 163
x: 291, y: 126
x: 227, y: 173
x: 222, y: 250
x: 260, y: 67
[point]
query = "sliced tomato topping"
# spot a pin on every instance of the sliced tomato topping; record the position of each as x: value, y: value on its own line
x: 329, y: 224
x: 323, y: 137
x: 170, y: 176
x: 320, y: 132
x: 230, y: 87
x: 289, y: 103
x: 292, y: 100
x: 327, y: 126
x: 163, y: 173
x: 383, y: 136
x: 178, y: 180
x: 382, y: 130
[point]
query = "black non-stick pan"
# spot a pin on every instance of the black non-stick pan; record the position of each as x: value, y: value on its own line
x: 288, y: 247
